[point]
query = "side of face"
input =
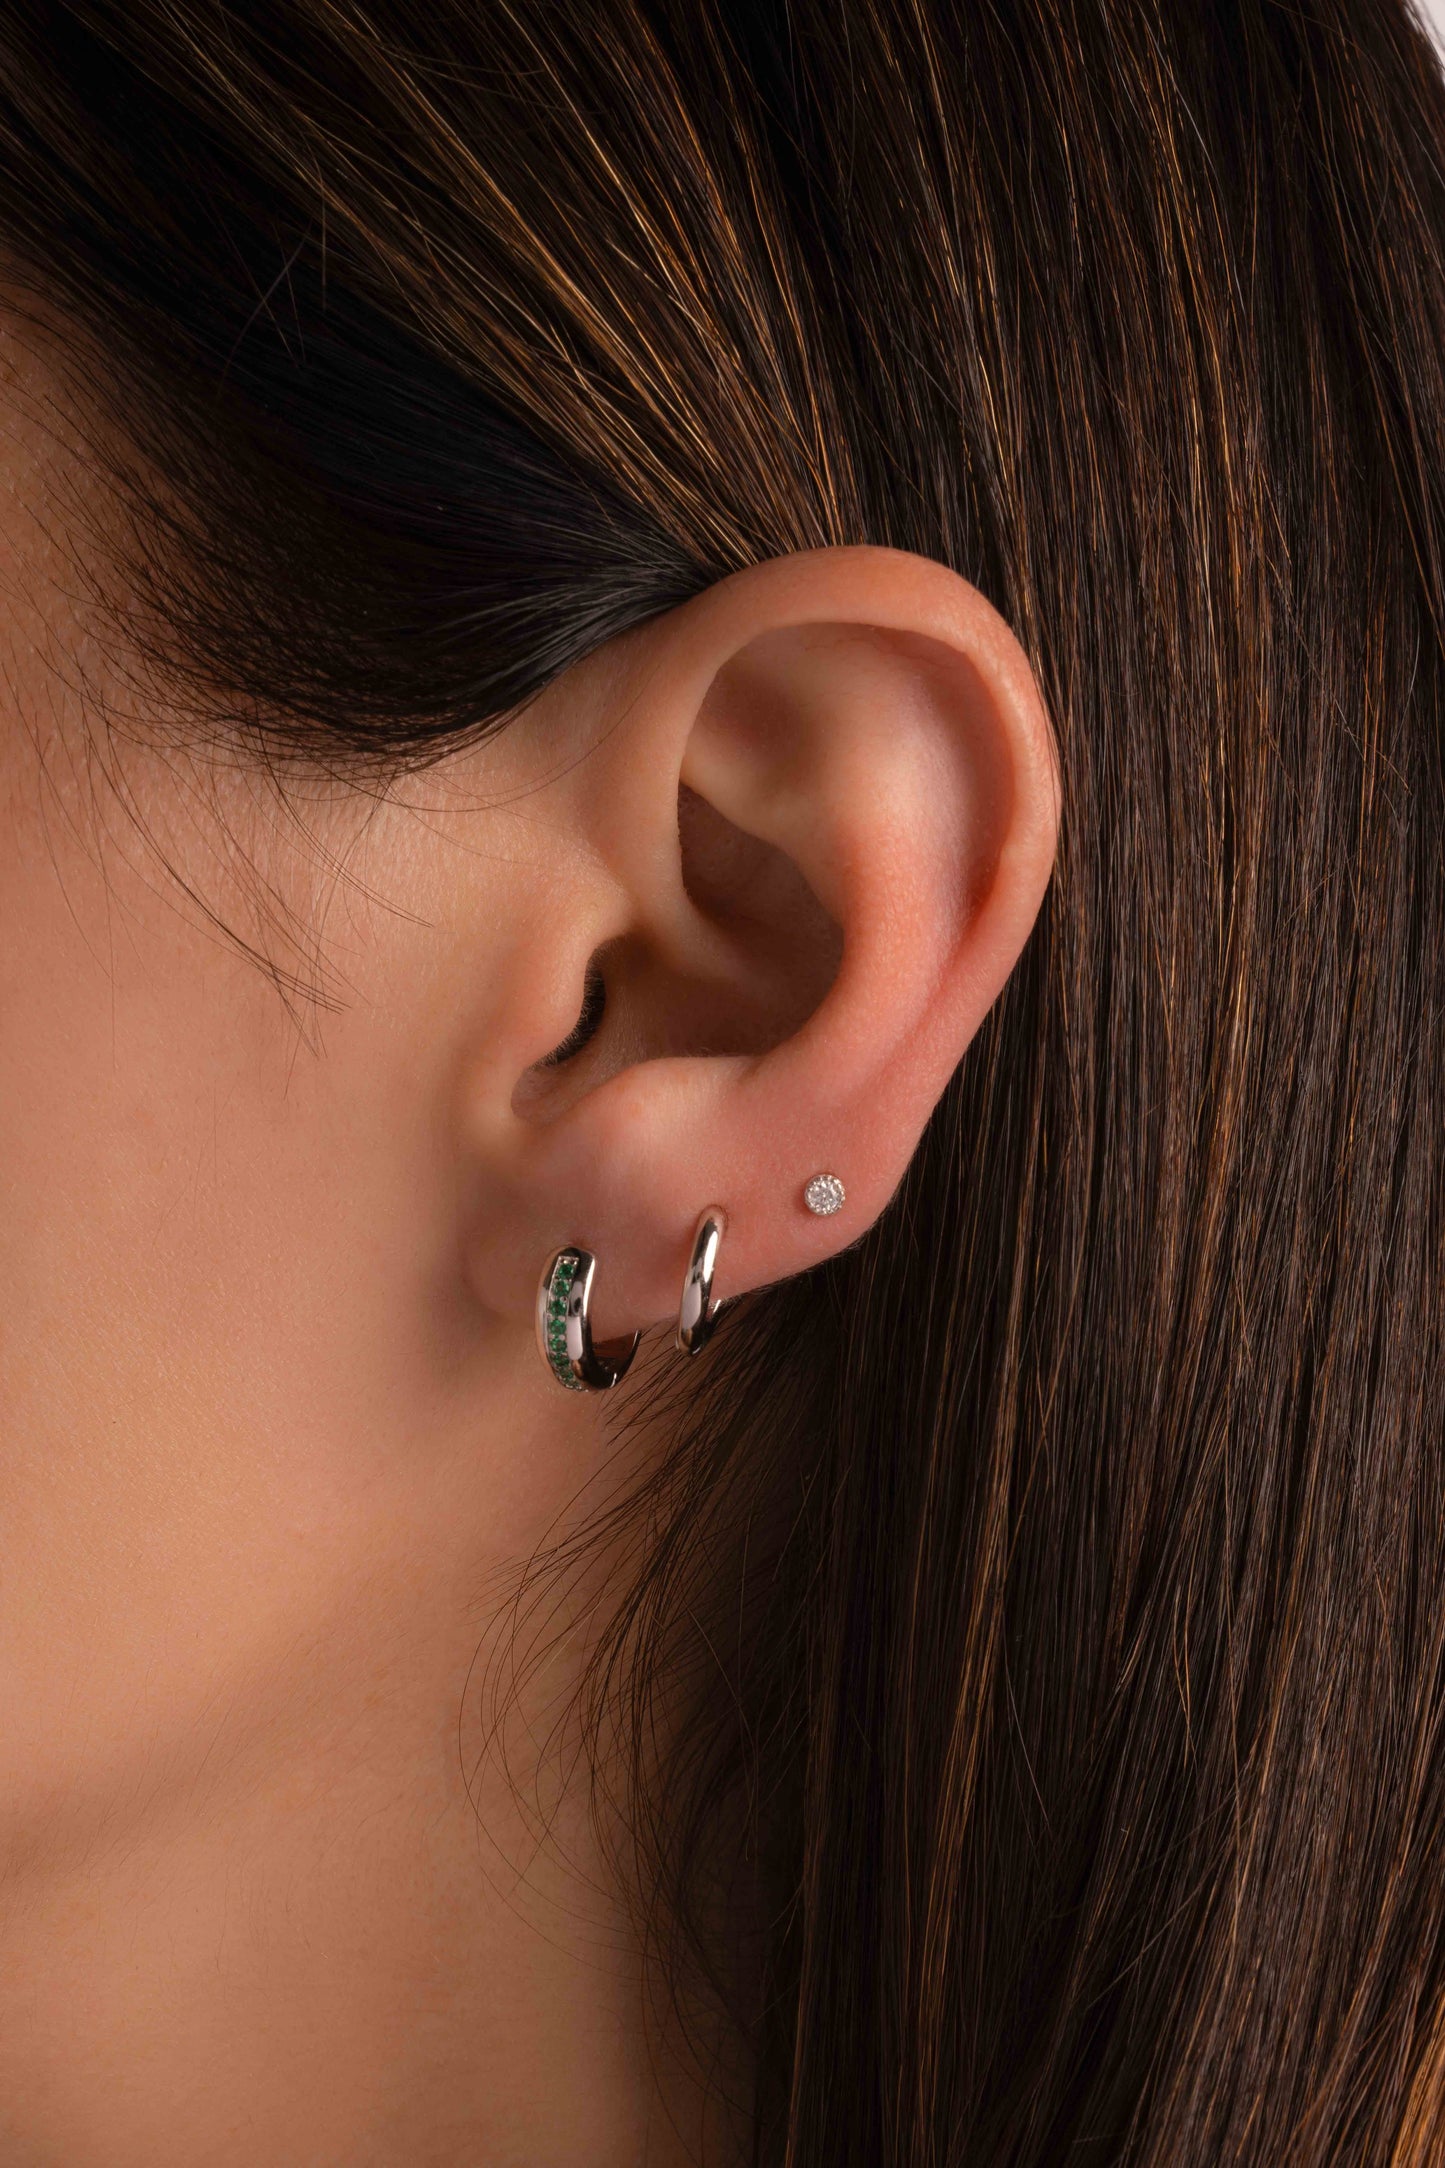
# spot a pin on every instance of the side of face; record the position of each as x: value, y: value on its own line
x: 283, y: 1156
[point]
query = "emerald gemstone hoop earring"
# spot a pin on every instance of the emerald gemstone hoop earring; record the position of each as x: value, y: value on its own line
x: 564, y: 1333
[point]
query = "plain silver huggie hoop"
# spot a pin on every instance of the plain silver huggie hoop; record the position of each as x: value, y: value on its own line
x: 564, y: 1332
x: 697, y: 1312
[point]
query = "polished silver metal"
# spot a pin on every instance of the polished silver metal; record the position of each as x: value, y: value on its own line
x: 564, y: 1332
x: 697, y: 1312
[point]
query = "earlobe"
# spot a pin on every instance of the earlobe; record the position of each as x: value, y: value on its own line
x: 827, y: 796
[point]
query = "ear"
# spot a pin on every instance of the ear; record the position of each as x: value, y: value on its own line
x: 805, y: 845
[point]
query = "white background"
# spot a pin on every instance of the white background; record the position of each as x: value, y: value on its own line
x: 1434, y: 14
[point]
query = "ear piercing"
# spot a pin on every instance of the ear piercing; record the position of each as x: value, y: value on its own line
x: 564, y: 1331
x: 824, y: 1195
x: 564, y: 1297
x: 697, y: 1312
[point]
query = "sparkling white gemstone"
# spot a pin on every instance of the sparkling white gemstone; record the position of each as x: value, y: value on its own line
x: 824, y: 1194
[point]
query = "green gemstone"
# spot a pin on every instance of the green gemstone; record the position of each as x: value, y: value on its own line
x: 558, y: 1292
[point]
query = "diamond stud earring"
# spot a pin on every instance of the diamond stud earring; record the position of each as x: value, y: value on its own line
x: 824, y: 1195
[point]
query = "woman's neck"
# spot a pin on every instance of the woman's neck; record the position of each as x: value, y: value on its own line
x: 303, y: 1936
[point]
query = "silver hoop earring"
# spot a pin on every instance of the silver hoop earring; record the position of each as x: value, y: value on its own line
x: 697, y: 1312
x: 564, y: 1333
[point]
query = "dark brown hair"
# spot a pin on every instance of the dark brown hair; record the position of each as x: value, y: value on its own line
x: 1073, y: 1546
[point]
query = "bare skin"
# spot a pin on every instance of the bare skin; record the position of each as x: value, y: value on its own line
x: 274, y: 1434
